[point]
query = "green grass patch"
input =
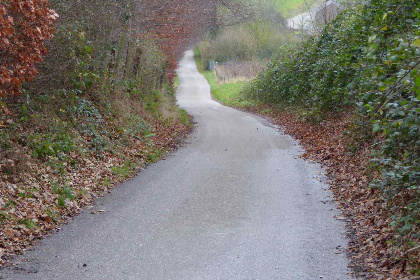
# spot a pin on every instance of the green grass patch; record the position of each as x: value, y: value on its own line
x: 4, y: 217
x: 291, y: 8
x: 64, y: 193
x: 227, y: 94
x: 176, y: 83
x: 198, y: 60
x: 183, y: 115
x: 154, y: 155
x: 265, y: 111
x: 125, y: 170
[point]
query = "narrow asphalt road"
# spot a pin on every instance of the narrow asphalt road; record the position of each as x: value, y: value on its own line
x: 235, y: 203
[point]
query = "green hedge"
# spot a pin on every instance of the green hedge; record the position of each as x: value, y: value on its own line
x: 367, y: 58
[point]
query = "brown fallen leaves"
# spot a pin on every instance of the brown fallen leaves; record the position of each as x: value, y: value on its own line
x: 35, y: 200
x: 29, y: 209
x: 370, y: 249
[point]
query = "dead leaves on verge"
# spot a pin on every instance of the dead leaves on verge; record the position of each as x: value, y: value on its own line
x: 38, y: 199
x: 373, y: 255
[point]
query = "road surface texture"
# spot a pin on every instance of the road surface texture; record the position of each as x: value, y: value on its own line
x: 235, y: 203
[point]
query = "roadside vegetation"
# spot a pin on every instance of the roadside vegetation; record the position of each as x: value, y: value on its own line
x: 351, y: 95
x: 238, y: 50
x: 226, y: 93
x: 101, y: 107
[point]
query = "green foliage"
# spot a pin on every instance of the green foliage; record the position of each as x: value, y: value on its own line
x: 153, y: 101
x: 316, y: 74
x: 57, y: 142
x: 86, y: 71
x: 154, y: 155
x: 5, y: 142
x: 135, y: 126
x: 390, y: 102
x: 4, y: 217
x: 107, y: 182
x: 369, y: 58
x: 91, y: 125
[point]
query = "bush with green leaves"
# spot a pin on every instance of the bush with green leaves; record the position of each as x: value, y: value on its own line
x: 368, y: 58
x: 316, y: 73
x: 390, y: 102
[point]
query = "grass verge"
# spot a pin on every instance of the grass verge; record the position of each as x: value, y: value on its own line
x: 229, y: 93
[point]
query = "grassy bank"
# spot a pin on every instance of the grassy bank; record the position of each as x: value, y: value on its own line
x: 227, y: 93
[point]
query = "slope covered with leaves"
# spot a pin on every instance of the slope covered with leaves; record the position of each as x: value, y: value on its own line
x: 366, y: 61
x: 101, y: 107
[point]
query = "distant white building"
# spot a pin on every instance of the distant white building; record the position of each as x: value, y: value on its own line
x: 326, y: 12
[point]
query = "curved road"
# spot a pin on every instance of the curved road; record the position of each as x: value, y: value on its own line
x: 235, y: 203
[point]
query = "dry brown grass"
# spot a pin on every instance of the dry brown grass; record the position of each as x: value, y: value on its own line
x: 233, y: 71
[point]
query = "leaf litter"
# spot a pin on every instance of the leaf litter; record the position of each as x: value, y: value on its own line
x: 35, y: 199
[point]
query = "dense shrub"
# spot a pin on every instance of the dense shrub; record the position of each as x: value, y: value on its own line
x: 315, y: 73
x: 244, y: 42
x: 369, y: 58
